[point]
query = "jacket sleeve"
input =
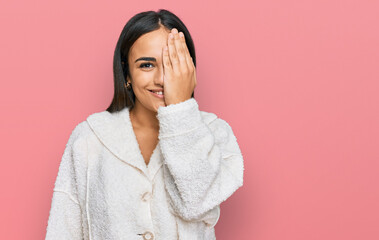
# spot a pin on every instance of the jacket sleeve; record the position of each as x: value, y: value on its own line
x: 203, y: 164
x: 65, y: 214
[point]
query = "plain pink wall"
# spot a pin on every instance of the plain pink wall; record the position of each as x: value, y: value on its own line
x: 298, y: 81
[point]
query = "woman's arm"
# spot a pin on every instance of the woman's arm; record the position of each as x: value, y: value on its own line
x: 203, y: 164
x: 65, y: 213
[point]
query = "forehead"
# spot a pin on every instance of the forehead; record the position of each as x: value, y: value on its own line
x: 149, y: 44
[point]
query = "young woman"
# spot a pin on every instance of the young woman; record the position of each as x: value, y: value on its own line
x: 152, y: 166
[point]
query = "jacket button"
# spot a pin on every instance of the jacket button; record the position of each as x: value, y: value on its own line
x: 146, y: 196
x: 148, y: 236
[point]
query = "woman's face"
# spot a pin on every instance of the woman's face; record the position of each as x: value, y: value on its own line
x: 146, y: 68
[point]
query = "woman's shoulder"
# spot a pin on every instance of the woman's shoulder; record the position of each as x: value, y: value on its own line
x: 208, y: 117
x: 221, y: 129
x: 84, y: 128
x: 79, y: 133
x: 214, y: 120
x: 105, y: 117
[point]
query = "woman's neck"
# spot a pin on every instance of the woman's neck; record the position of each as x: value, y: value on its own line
x: 142, y: 117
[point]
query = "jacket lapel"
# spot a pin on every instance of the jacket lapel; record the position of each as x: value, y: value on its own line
x: 115, y: 131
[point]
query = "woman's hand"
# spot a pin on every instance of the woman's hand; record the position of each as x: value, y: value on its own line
x: 178, y: 69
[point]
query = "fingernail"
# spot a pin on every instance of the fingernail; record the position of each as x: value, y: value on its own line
x: 181, y: 34
x: 171, y: 35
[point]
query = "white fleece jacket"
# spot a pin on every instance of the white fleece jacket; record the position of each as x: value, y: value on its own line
x: 104, y: 189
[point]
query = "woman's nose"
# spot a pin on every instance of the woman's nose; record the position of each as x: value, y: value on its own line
x: 159, y: 76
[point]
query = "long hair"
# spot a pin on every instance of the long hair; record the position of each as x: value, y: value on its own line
x: 138, y: 25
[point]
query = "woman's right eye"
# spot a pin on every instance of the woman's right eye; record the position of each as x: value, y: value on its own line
x: 145, y: 65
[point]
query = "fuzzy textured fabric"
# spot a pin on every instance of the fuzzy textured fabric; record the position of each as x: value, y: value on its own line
x: 104, y: 189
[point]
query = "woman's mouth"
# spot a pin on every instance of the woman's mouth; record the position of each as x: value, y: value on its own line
x: 158, y: 94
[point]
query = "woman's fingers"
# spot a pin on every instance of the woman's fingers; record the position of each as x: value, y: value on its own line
x: 172, y: 53
x: 187, y: 54
x: 181, y: 53
x: 166, y: 60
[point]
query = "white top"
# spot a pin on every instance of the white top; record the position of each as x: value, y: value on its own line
x: 104, y: 190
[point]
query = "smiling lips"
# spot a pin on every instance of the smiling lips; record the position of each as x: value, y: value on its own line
x: 157, y: 93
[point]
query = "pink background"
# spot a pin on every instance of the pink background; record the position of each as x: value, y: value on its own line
x: 298, y: 81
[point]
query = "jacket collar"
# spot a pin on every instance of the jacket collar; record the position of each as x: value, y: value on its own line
x: 116, y: 133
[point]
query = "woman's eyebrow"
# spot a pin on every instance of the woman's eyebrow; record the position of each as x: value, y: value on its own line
x: 146, y: 59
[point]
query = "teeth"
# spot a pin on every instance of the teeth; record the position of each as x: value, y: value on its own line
x: 160, y: 93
